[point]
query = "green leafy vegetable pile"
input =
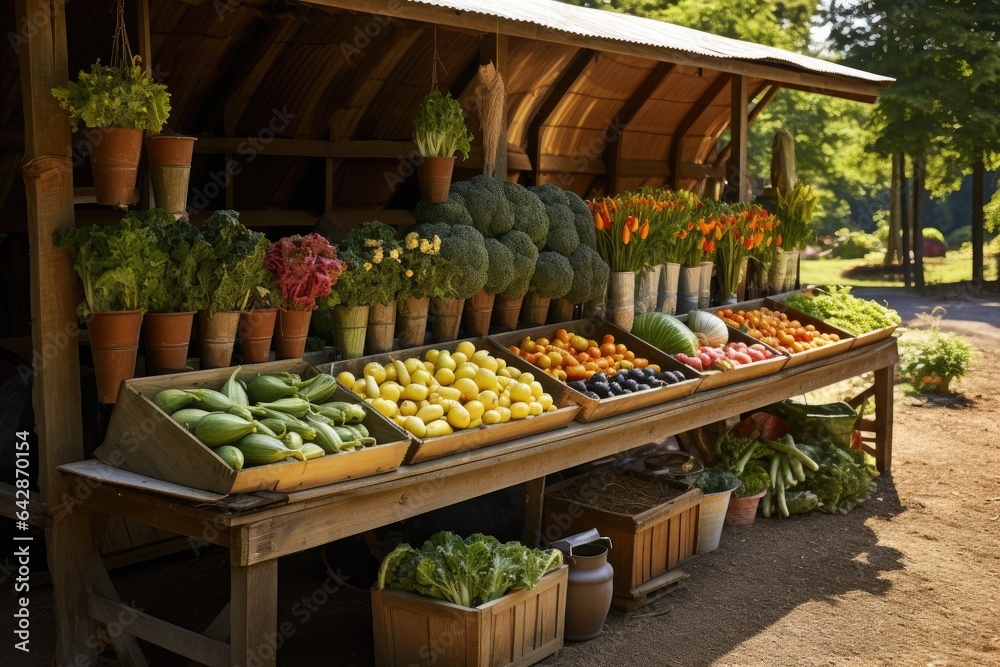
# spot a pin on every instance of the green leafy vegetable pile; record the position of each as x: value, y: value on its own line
x: 235, y: 278
x: 467, y: 572
x: 841, y: 309
x: 843, y: 480
x: 187, y: 250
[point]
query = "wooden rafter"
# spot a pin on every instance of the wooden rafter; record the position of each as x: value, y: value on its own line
x: 772, y: 90
x: 691, y: 117
x: 737, y: 179
x: 633, y: 105
x: 550, y: 101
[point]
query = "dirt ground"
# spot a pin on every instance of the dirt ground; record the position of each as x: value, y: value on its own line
x: 912, y: 578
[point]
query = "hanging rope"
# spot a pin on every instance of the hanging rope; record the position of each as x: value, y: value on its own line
x: 490, y: 99
x: 121, y: 50
x: 434, y: 62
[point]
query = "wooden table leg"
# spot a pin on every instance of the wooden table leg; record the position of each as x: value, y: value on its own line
x: 254, y: 613
x: 884, y: 381
x: 533, y: 511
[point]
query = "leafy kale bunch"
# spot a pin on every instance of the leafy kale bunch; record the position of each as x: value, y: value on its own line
x: 439, y: 127
x: 187, y: 250
x: 121, y: 266
x: 124, y: 97
x: 375, y: 244
x: 739, y: 456
x: 842, y: 309
x: 467, y: 572
x: 844, y: 479
x: 235, y: 277
x: 305, y: 269
x: 714, y: 480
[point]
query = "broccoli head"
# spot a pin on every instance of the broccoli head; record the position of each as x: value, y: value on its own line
x: 562, y: 238
x: 452, y: 211
x: 484, y: 199
x: 755, y: 479
x: 523, y: 267
x: 553, y: 275
x: 530, y: 216
x: 498, y: 274
x: 583, y: 219
x: 590, y: 275
x: 466, y: 247
x: 579, y: 214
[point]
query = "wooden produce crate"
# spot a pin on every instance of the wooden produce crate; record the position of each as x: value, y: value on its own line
x: 145, y: 440
x: 425, y: 449
x: 794, y: 359
x: 716, y: 379
x: 646, y: 547
x: 519, y: 629
x: 860, y: 340
x: 592, y: 408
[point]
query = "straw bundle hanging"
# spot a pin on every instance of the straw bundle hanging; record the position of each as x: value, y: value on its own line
x: 491, y: 98
x: 783, y: 161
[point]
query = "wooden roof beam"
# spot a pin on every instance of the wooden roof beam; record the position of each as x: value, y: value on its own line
x: 737, y: 175
x: 620, y: 124
x: 772, y: 90
x: 693, y: 114
x: 839, y: 86
x: 552, y: 97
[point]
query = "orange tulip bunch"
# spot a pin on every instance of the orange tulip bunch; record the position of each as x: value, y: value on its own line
x: 742, y: 230
x: 622, y: 225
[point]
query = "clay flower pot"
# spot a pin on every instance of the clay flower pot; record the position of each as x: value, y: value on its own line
x: 434, y: 176
x: 255, y: 333
x: 381, y: 328
x: 114, y: 159
x: 169, y: 160
x: 290, y: 333
x: 741, y: 511
x: 167, y: 338
x: 114, y: 342
x: 446, y: 317
x: 477, y: 314
x: 216, y: 336
x: 411, y: 321
x: 506, y: 312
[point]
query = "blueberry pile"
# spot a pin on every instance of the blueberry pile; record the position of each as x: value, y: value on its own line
x: 624, y: 382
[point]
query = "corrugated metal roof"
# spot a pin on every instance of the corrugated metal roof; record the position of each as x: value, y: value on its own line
x: 596, y: 23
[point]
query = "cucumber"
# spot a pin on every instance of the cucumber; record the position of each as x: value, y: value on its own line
x: 261, y: 449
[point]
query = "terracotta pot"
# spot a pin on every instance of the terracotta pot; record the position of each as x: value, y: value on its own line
x: 167, y: 338
x: 621, y: 299
x: 350, y: 326
x: 561, y: 310
x: 688, y: 289
x: 446, y: 316
x: 505, y: 313
x: 477, y: 314
x: 114, y: 342
x: 669, y: 279
x: 534, y: 308
x: 411, y: 321
x: 169, y: 171
x: 711, y: 516
x: 434, y: 175
x: 705, y: 284
x: 255, y: 333
x: 381, y: 328
x: 114, y: 159
x: 290, y: 333
x: 216, y: 336
x: 588, y: 591
x: 741, y: 511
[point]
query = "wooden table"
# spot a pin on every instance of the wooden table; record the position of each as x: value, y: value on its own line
x: 259, y: 528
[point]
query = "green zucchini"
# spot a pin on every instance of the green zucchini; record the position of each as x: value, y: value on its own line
x: 293, y: 424
x: 266, y: 388
x: 312, y: 451
x: 188, y: 417
x: 261, y: 449
x: 320, y: 388
x: 297, y: 407
x: 293, y: 440
x: 231, y: 455
x: 172, y: 400
x: 222, y: 429
x: 234, y: 390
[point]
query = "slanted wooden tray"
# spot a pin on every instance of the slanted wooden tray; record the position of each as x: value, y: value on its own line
x: 716, y: 379
x: 425, y: 449
x: 145, y: 440
x: 860, y: 340
x: 594, y: 409
x: 796, y: 358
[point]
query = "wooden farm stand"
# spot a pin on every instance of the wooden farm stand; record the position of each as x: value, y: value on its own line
x: 260, y: 528
x: 638, y: 106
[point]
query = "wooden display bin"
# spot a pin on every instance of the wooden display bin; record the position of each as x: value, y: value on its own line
x: 860, y: 340
x: 646, y: 547
x: 425, y: 449
x: 519, y: 629
x: 592, y: 408
x: 143, y: 439
x: 715, y: 379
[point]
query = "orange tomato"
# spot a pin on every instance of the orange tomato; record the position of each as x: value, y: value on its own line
x: 629, y: 355
x: 577, y: 372
x: 592, y: 366
x: 560, y: 374
x: 655, y: 367
x: 620, y: 348
x: 541, y: 342
x: 603, y: 363
x: 594, y: 352
x: 559, y: 344
x: 515, y: 349
x: 607, y: 349
x: 563, y: 335
x: 617, y: 357
x: 608, y: 338
x: 583, y: 357
x: 640, y: 362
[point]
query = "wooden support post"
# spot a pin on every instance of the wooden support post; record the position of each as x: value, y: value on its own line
x: 919, y: 178
x: 736, y: 171
x: 493, y: 48
x: 885, y: 378
x: 533, y: 502
x: 977, y: 220
x: 772, y: 90
x: 253, y: 610
x: 48, y: 182
x: 144, y: 42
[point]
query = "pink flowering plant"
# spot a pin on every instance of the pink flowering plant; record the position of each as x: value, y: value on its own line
x: 305, y: 268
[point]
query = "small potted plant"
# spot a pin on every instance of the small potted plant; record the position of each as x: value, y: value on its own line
x: 440, y: 132
x: 119, y: 266
x: 234, y: 281
x: 718, y: 487
x: 376, y: 243
x: 305, y: 269
x: 116, y: 103
x: 466, y: 247
x: 168, y: 156
x: 427, y: 274
x: 174, y: 299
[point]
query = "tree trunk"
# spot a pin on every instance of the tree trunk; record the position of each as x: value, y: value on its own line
x: 977, y: 219
x: 919, y: 179
x: 906, y: 220
x: 892, y: 249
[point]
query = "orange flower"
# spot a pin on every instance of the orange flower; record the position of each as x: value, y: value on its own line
x: 598, y: 222
x: 767, y: 244
x: 605, y: 214
x: 682, y: 234
x: 706, y: 227
x: 690, y: 225
x: 748, y: 244
x: 626, y: 235
x: 614, y: 206
x: 718, y: 233
x: 634, y: 224
x: 778, y: 241
x: 644, y: 230
x: 708, y: 246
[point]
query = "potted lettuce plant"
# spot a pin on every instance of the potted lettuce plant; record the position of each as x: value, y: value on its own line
x: 440, y: 133
x: 304, y: 269
x: 116, y: 103
x: 120, y: 267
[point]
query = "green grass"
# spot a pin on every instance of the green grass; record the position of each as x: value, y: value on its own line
x: 955, y: 268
